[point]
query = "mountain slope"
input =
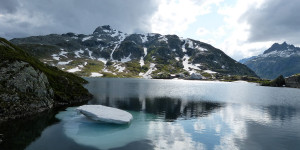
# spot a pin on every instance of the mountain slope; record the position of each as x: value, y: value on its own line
x: 110, y: 52
x: 279, y: 59
x: 28, y: 86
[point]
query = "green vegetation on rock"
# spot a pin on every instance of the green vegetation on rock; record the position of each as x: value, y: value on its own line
x: 29, y: 86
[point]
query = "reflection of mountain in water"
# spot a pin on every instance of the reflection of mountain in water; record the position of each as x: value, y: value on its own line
x: 166, y: 107
x: 281, y: 112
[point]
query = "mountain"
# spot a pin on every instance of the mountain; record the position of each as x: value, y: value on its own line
x: 112, y: 53
x: 246, y: 59
x: 279, y: 59
x: 28, y: 86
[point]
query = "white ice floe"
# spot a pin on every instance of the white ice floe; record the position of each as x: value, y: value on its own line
x: 86, y: 38
x: 96, y: 74
x: 64, y: 62
x: 105, y: 114
x: 76, y: 69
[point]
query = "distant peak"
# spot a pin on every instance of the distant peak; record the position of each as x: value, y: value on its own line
x: 101, y: 29
x: 279, y: 47
x: 107, y: 27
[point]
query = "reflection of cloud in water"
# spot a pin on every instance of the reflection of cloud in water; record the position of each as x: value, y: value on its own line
x: 171, y: 135
x: 231, y: 126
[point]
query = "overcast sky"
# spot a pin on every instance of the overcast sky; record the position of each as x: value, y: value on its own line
x: 238, y: 27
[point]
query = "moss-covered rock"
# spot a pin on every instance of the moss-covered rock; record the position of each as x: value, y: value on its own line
x: 28, y: 86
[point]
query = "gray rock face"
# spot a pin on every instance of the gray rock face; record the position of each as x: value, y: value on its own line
x: 21, y: 84
x: 293, y: 81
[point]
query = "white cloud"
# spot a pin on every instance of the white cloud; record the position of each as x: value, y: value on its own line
x: 236, y: 44
x: 202, y: 31
x: 175, y: 16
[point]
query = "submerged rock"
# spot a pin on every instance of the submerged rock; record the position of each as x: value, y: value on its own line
x: 105, y: 114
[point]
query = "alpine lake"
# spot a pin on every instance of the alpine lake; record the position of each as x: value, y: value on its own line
x: 168, y: 114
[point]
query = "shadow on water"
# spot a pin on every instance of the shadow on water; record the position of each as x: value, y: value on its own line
x: 17, y: 134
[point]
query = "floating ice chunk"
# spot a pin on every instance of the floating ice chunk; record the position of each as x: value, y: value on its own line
x: 105, y: 114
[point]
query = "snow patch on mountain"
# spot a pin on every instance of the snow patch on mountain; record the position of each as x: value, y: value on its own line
x: 103, y: 60
x: 188, y: 65
x: 126, y: 59
x: 183, y: 46
x: 119, y: 67
x: 96, y: 74
x: 76, y: 69
x: 147, y: 75
x: 86, y: 38
x: 64, y: 62
x: 90, y: 54
x: 163, y: 38
x: 144, y: 38
x: 77, y: 53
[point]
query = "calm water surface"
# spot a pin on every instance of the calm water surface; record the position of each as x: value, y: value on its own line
x: 177, y: 114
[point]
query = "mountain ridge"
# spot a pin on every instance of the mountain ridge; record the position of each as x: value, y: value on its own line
x: 109, y: 52
x: 279, y: 59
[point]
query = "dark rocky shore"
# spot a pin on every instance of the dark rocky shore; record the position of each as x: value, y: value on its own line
x: 28, y: 86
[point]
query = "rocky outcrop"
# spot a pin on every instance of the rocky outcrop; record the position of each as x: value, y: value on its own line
x: 293, y: 81
x: 28, y: 86
x: 24, y: 89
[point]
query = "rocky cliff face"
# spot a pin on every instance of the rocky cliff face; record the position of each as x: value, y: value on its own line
x: 293, y: 81
x: 23, y: 89
x: 109, y: 52
x: 27, y: 86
